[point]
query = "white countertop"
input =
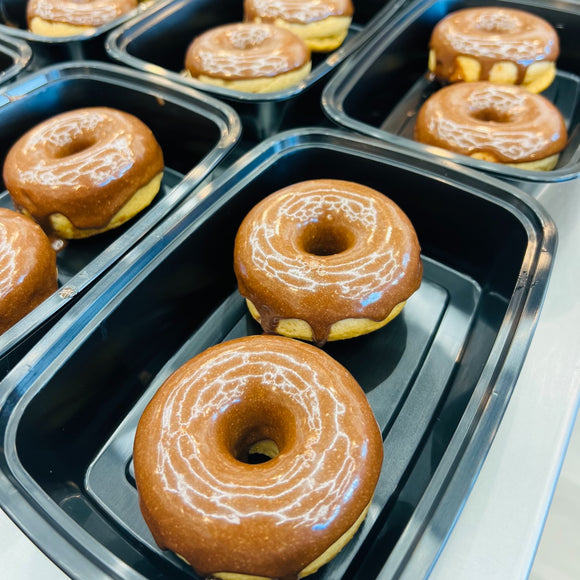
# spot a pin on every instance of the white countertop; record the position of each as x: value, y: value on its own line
x: 497, y: 533
x: 498, y: 530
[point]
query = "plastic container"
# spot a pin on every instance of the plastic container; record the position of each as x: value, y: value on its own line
x: 15, y: 57
x: 48, y: 50
x: 438, y: 377
x: 207, y: 131
x: 173, y: 25
x: 381, y: 89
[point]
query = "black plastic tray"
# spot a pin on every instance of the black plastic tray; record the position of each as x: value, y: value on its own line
x: 174, y: 24
x: 15, y: 57
x: 48, y: 50
x: 207, y: 131
x: 438, y: 377
x: 381, y: 89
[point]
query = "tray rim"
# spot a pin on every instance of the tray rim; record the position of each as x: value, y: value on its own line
x: 116, y: 42
x: 222, y: 115
x: 21, y: 55
x: 21, y: 384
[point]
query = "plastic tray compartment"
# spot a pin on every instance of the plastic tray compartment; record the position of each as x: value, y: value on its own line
x: 15, y: 57
x: 380, y: 91
x: 49, y: 50
x: 207, y: 131
x: 173, y: 25
x: 438, y: 377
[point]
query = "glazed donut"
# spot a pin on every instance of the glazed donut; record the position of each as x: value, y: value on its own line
x: 85, y: 171
x: 326, y: 260
x: 323, y: 25
x: 72, y: 17
x: 202, y: 494
x: 497, y: 44
x: 28, y: 273
x: 499, y: 123
x: 253, y: 58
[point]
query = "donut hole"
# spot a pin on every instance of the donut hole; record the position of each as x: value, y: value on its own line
x: 79, y: 145
x: 326, y: 238
x: 491, y: 115
x: 257, y: 431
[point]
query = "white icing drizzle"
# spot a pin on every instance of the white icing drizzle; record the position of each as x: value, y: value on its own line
x: 516, y: 138
x: 327, y: 466
x: 356, y: 276
x: 108, y: 158
x: 297, y: 10
x: 9, y: 255
x: 496, y: 34
x: 249, y: 50
x: 88, y: 12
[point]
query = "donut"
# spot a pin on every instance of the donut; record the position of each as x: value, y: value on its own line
x: 257, y: 458
x: 498, y: 123
x: 326, y: 260
x: 28, y: 272
x: 253, y: 58
x: 85, y: 171
x: 494, y: 44
x: 71, y: 17
x: 322, y: 24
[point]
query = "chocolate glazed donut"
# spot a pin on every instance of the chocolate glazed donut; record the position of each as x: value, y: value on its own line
x: 67, y: 17
x: 200, y: 493
x: 28, y: 273
x: 326, y: 260
x: 248, y: 57
x: 84, y: 171
x: 322, y: 24
x: 499, y: 123
x: 496, y: 44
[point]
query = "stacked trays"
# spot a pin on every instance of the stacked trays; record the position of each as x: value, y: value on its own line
x: 173, y: 25
x: 136, y: 302
x: 380, y: 91
x: 438, y: 377
x: 207, y: 129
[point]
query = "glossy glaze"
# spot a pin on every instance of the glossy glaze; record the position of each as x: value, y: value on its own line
x: 507, y: 121
x: 202, y: 500
x: 371, y: 262
x: 493, y: 34
x: 297, y: 11
x: 84, y: 164
x: 245, y: 51
x: 28, y: 272
x: 79, y: 12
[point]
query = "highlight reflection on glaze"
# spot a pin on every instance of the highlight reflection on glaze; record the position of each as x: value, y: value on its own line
x: 186, y: 474
x: 296, y: 10
x: 84, y: 164
x: 101, y: 160
x: 89, y: 13
x: 509, y: 121
x: 498, y: 34
x: 376, y: 265
x: 491, y: 35
x: 9, y: 252
x: 27, y: 267
x: 296, y: 504
x: 245, y: 50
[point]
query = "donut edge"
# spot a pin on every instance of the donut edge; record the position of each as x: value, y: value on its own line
x: 142, y: 198
x: 340, y: 330
x: 320, y: 36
